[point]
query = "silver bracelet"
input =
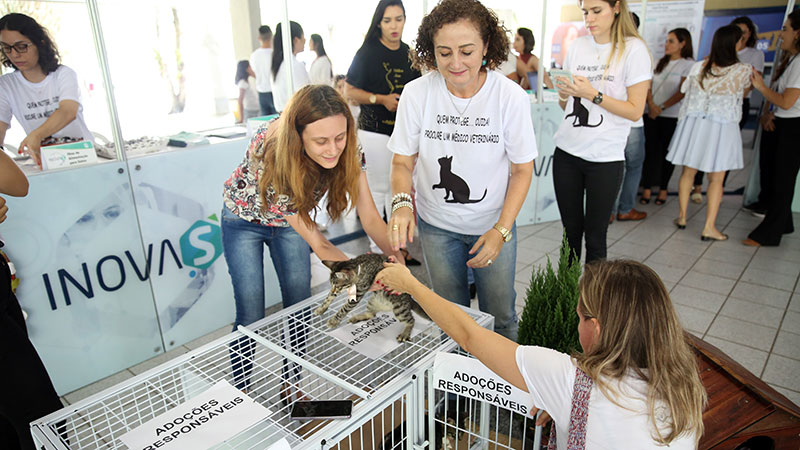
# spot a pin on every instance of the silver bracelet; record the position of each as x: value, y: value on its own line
x: 403, y: 204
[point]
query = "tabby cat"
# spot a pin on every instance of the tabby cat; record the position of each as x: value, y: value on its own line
x: 361, y: 271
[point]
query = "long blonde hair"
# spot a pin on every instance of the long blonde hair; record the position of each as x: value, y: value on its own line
x: 640, y: 334
x: 621, y: 29
x: 289, y: 171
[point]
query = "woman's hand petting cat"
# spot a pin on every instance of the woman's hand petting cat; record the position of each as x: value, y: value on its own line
x: 580, y: 87
x: 490, y: 245
x: 401, y: 228
x: 394, y: 278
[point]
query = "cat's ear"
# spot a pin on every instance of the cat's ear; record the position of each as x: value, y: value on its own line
x: 329, y: 264
x: 450, y: 158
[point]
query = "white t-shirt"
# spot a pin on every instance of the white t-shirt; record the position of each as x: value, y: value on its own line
x: 260, y: 62
x: 754, y: 57
x: 279, y: 83
x: 33, y: 103
x: 321, y: 71
x: 592, y: 133
x: 550, y: 378
x: 668, y: 82
x: 461, y: 174
x: 250, y: 100
x: 790, y: 79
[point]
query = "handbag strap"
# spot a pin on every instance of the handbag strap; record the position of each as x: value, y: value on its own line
x: 578, y: 415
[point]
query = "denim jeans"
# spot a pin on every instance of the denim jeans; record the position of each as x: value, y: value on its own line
x: 243, y: 245
x: 446, y: 255
x: 634, y: 158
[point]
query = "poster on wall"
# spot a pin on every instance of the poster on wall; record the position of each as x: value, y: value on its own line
x: 768, y: 22
x: 663, y: 16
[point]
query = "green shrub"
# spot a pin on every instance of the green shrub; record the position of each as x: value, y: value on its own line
x: 549, y: 318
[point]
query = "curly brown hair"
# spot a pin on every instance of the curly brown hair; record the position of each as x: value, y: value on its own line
x: 492, y: 32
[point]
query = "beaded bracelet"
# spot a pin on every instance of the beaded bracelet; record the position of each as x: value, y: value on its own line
x: 401, y: 196
x: 403, y: 204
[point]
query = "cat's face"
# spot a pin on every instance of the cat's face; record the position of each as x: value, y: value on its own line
x: 340, y: 278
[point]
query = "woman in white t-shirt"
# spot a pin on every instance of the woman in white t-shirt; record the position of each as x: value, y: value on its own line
x: 248, y: 96
x: 611, y: 69
x: 464, y: 133
x: 786, y: 122
x: 641, y: 377
x: 283, y: 89
x: 661, y: 114
x: 42, y: 94
x: 321, y: 69
x: 707, y: 137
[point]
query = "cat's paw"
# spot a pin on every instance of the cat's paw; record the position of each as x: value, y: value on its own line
x: 333, y: 323
x: 320, y: 310
x: 404, y: 336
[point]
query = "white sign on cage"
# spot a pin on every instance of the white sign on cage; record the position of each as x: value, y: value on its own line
x: 207, y: 419
x: 376, y: 337
x: 470, y: 378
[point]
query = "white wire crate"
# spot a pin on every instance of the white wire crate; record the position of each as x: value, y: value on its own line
x: 275, y: 367
x: 463, y: 423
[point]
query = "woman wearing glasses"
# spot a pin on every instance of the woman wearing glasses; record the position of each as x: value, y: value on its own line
x: 42, y: 94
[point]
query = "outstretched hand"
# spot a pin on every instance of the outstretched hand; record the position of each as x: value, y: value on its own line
x: 395, y: 278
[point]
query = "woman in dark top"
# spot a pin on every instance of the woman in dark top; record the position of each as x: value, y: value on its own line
x: 377, y: 75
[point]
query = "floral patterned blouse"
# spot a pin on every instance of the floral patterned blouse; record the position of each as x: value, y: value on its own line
x: 241, y: 194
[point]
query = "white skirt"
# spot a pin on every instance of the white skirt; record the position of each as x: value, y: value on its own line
x: 706, y: 144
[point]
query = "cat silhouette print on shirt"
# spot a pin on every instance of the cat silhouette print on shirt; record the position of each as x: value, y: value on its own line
x: 581, y: 115
x: 453, y: 184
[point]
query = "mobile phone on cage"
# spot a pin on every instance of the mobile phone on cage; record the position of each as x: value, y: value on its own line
x: 322, y: 409
x: 555, y: 74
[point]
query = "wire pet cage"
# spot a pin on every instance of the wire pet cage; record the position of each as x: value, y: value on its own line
x: 277, y: 361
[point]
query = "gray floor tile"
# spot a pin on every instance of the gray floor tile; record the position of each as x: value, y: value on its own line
x: 650, y: 236
x: 97, y: 386
x: 782, y: 253
x: 697, y: 298
x: 158, y: 360
x: 794, y: 305
x: 527, y: 230
x: 763, y: 262
x: 719, y: 268
x: 201, y: 341
x: 667, y: 273
x: 521, y: 290
x: 539, y: 244
x: 668, y: 285
x: 783, y: 372
x: 691, y: 248
x: 693, y: 319
x: 707, y: 282
x: 761, y: 294
x: 752, y: 312
x: 554, y: 232
x: 791, y: 322
x: 787, y: 344
x: 769, y: 278
x: 741, y: 332
x: 731, y: 255
x: 671, y: 258
x: 529, y: 255
x: 794, y: 396
x: 632, y: 251
x: 752, y: 359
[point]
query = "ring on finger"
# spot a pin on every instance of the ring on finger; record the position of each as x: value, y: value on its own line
x: 395, y: 227
x: 489, y: 263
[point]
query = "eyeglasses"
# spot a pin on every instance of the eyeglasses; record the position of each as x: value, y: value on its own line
x: 20, y: 47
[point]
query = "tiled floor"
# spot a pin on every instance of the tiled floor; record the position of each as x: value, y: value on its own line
x: 745, y: 301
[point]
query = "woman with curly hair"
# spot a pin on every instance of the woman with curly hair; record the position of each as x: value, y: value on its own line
x: 635, y: 385
x: 465, y: 136
x: 611, y: 71
x: 42, y: 94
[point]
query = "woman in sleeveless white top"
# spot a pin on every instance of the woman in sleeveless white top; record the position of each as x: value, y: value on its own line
x: 707, y: 137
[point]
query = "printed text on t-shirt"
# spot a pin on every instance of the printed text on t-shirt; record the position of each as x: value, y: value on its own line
x: 462, y: 121
x: 42, y: 104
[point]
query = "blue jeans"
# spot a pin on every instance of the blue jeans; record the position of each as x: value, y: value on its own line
x: 266, y: 104
x: 243, y: 245
x: 634, y: 159
x: 446, y: 255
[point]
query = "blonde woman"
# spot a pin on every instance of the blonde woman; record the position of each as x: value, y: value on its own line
x: 611, y: 70
x: 644, y: 390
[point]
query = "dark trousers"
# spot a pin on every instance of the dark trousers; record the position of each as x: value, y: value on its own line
x: 266, y: 104
x: 575, y: 178
x: 786, y: 164
x: 766, y: 170
x: 657, y: 133
x: 698, y: 177
x: 26, y: 392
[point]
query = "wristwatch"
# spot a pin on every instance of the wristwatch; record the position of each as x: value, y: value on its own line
x: 661, y: 107
x: 598, y: 98
x: 373, y: 98
x: 503, y: 231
